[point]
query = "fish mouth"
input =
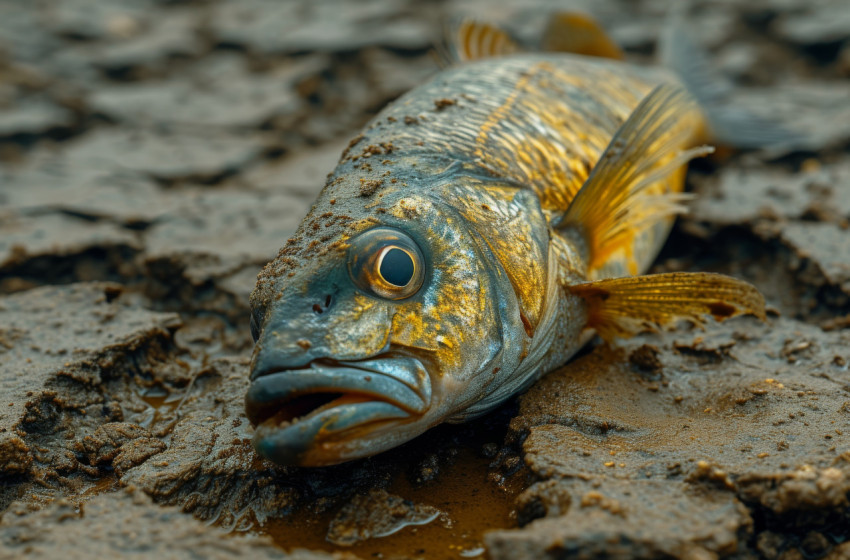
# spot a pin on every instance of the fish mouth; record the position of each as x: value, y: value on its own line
x: 301, y: 414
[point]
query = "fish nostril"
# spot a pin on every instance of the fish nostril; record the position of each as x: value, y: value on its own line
x: 318, y: 309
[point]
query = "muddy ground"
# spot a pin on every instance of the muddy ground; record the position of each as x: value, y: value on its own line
x: 154, y: 154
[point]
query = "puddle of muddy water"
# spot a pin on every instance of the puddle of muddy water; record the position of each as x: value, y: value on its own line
x: 469, y: 491
x: 471, y: 504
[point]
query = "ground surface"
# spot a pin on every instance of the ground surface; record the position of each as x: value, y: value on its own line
x: 154, y: 154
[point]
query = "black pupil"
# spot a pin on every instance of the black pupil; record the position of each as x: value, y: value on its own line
x: 397, y: 267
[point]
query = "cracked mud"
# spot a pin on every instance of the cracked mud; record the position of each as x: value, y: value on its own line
x: 155, y: 154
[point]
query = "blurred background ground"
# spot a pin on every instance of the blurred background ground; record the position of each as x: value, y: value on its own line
x: 154, y: 154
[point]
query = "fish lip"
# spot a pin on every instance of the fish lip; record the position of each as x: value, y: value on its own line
x: 269, y: 392
x: 290, y: 445
x: 385, y: 387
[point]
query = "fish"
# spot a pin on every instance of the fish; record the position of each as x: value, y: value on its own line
x: 480, y: 231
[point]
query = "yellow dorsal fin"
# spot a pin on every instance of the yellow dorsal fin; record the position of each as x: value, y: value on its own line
x: 623, y: 307
x: 579, y: 34
x: 467, y: 39
x: 621, y: 195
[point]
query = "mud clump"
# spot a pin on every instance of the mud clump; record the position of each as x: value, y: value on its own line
x: 68, y: 354
x: 368, y: 188
x: 608, y: 519
x: 209, y: 467
x: 376, y: 514
x: 121, y: 445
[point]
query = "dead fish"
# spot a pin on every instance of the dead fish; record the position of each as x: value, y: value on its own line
x: 477, y: 234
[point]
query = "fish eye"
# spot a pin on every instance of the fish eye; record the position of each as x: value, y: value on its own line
x: 396, y: 266
x: 387, y: 263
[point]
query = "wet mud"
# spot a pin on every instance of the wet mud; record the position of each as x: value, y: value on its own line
x: 155, y: 154
x: 445, y: 517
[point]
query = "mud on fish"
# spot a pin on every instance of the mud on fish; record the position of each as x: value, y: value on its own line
x: 478, y: 232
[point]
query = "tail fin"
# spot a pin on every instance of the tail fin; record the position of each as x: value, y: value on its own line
x: 620, y: 196
x: 727, y: 124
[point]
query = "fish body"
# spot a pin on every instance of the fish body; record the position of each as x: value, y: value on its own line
x: 459, y: 251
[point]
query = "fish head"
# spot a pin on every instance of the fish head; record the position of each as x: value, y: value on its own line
x: 400, y: 323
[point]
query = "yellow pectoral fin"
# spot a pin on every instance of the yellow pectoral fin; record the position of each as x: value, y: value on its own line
x: 579, y: 34
x: 622, y: 195
x: 624, y: 307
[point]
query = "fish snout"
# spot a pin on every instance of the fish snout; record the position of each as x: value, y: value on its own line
x: 270, y: 357
x: 291, y: 335
x: 304, y: 411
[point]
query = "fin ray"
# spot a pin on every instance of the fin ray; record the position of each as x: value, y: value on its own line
x: 624, y: 307
x: 612, y: 204
x: 468, y: 39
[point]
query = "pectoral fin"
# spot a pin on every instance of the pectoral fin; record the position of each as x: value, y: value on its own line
x: 580, y: 34
x: 621, y: 196
x: 623, y: 307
